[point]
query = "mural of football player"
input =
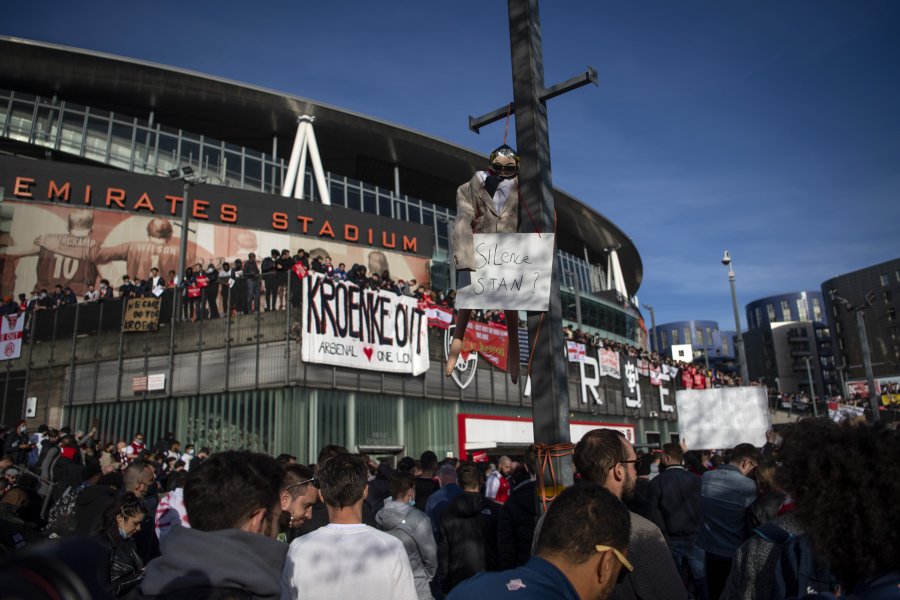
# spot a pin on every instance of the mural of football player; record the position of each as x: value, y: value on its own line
x: 67, y: 259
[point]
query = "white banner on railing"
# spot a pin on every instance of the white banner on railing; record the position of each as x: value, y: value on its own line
x: 723, y: 417
x: 512, y: 271
x: 362, y: 329
x: 11, y: 333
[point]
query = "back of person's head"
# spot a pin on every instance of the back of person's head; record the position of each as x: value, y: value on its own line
x: 297, y: 479
x: 766, y: 475
x: 342, y: 480
x: 447, y: 474
x: 598, y: 452
x: 845, y: 481
x: 176, y: 480
x: 229, y: 487
x: 744, y: 452
x: 470, y: 476
x: 406, y: 464
x: 642, y: 466
x: 135, y: 477
x: 400, y: 483
x: 579, y: 519
x: 429, y: 460
x: 113, y: 479
x: 673, y: 453
x: 125, y: 505
x: 328, y: 452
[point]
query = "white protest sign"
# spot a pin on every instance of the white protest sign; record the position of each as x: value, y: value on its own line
x: 346, y: 326
x: 682, y: 352
x: 723, y: 417
x: 512, y: 271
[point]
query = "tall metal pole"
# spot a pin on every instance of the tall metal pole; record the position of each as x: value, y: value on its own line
x: 812, y: 388
x: 653, y: 327
x: 742, y: 356
x: 550, y: 392
x: 867, y: 361
x: 182, y: 247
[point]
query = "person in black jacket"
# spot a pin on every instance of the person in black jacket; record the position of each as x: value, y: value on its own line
x: 121, y: 569
x: 468, y: 532
x: 210, y: 292
x: 520, y: 513
x: 676, y: 493
x: 251, y: 277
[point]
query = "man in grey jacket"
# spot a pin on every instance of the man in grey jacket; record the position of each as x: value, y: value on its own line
x: 412, y: 527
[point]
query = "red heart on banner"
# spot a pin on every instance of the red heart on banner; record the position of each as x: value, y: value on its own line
x: 368, y: 353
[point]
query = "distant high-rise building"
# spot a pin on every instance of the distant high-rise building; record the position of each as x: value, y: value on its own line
x: 878, y: 289
x: 783, y: 332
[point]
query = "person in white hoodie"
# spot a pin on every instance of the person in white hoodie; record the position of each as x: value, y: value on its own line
x: 346, y: 559
x: 412, y: 527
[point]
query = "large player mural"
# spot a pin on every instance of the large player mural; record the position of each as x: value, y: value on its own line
x: 55, y: 245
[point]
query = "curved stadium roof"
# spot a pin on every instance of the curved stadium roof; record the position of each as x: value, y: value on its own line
x: 351, y: 144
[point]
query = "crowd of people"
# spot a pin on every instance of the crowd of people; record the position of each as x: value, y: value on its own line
x: 807, y: 515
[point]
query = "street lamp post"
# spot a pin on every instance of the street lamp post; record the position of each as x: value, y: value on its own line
x: 653, y: 327
x: 742, y: 358
x: 186, y: 175
x: 812, y: 389
x: 864, y: 342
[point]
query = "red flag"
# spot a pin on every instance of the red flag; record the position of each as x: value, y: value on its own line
x: 299, y: 270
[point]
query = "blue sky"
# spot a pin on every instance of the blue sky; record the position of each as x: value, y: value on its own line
x: 769, y: 128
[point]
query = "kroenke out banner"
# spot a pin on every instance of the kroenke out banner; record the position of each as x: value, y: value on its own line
x: 74, y: 225
x: 344, y: 325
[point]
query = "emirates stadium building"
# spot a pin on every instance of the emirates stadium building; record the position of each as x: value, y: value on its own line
x: 88, y: 146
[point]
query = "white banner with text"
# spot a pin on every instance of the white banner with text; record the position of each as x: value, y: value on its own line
x: 512, y: 271
x: 346, y: 326
x: 722, y: 418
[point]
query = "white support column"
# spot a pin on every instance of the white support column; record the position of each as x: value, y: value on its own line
x: 305, y: 144
x: 318, y: 171
x: 299, y: 143
x: 351, y: 422
x: 300, y: 173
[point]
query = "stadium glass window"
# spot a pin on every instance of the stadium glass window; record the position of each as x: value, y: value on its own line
x: 370, y: 205
x: 45, y: 124
x: 674, y: 337
x: 413, y: 213
x: 699, y: 336
x: 771, y: 310
x: 709, y: 341
x: 97, y: 140
x: 725, y: 349
x: 664, y: 340
x: 687, y: 335
x: 817, y: 309
x: 72, y: 134
x: 885, y: 280
x: 758, y: 312
x: 338, y: 193
x: 384, y: 205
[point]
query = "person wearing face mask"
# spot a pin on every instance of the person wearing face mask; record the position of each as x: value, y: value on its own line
x: 487, y: 203
x: 188, y: 456
x: 121, y: 568
x: 412, y: 527
x: 17, y: 445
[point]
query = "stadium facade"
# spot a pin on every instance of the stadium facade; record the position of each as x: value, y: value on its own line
x: 86, y: 144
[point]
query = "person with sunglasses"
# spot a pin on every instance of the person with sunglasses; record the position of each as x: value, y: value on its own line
x: 299, y: 493
x: 487, y: 203
x: 606, y: 457
x: 582, y: 552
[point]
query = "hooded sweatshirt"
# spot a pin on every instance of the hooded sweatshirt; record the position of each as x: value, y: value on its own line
x: 468, y: 538
x: 413, y: 528
x: 194, y: 562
